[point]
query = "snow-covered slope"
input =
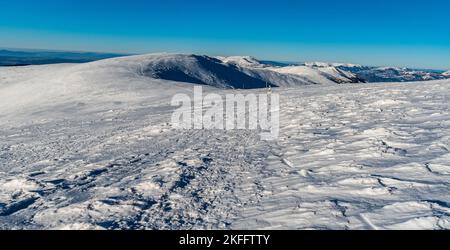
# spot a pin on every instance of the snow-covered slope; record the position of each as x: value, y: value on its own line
x: 200, y: 70
x: 70, y: 86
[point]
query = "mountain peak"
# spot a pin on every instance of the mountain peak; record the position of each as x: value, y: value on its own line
x: 243, y: 61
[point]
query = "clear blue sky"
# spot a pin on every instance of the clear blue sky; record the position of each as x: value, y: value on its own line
x: 376, y: 32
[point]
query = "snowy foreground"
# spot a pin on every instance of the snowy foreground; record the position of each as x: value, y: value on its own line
x: 90, y: 146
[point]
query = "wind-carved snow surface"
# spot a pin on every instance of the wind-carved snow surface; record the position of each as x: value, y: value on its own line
x: 91, y: 146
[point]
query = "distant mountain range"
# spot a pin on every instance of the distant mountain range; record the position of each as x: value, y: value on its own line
x: 36, y: 57
x: 341, y: 72
x: 393, y: 74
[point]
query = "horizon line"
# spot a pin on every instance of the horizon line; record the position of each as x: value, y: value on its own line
x: 119, y: 54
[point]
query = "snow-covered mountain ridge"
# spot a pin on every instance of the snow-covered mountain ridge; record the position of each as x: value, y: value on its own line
x: 340, y: 72
x: 384, y: 74
x: 236, y: 72
x: 232, y: 73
